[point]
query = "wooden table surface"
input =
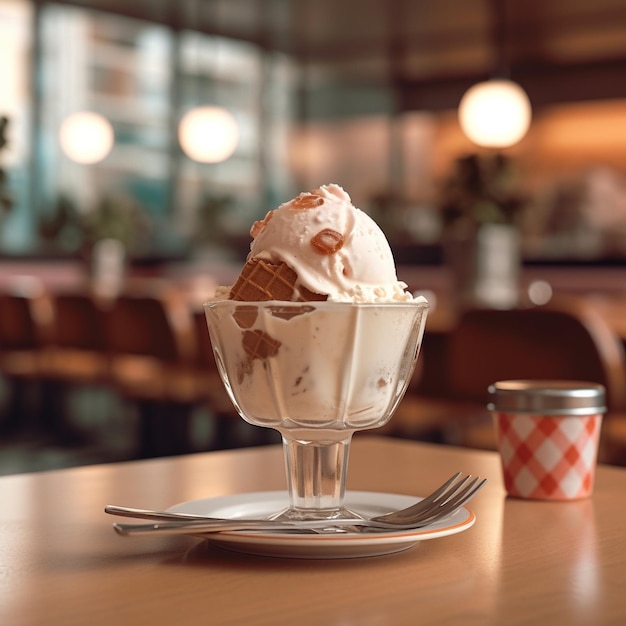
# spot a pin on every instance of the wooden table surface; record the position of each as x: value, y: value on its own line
x: 522, y: 562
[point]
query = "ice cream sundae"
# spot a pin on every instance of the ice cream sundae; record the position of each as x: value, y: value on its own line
x: 317, y: 337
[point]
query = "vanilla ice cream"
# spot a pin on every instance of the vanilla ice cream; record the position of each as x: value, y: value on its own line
x: 332, y: 250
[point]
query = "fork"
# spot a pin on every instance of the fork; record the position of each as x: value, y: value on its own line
x: 443, y: 502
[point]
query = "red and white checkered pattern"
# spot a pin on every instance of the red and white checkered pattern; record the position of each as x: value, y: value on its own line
x: 548, y: 457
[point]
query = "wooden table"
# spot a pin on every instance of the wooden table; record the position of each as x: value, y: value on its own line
x: 522, y: 562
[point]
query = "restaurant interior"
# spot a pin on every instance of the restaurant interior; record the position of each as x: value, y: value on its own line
x: 140, y: 140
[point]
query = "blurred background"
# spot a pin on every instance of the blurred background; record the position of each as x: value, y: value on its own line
x: 169, y: 126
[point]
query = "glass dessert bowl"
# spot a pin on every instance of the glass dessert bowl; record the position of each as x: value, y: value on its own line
x: 317, y: 372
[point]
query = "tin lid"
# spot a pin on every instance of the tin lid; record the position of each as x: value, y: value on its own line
x: 548, y: 397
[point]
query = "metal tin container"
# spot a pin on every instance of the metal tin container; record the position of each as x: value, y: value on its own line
x: 548, y: 397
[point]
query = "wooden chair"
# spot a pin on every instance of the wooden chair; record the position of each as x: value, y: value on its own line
x: 564, y: 340
x: 149, y: 340
x: 74, y: 358
x: 24, y: 334
x: 77, y: 350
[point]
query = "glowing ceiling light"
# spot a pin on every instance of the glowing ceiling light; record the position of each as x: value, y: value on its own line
x: 86, y: 137
x: 495, y: 113
x: 208, y: 134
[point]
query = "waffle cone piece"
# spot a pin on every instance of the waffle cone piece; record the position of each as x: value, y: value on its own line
x: 261, y: 280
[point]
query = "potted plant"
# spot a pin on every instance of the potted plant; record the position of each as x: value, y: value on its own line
x: 481, y: 205
x: 113, y: 230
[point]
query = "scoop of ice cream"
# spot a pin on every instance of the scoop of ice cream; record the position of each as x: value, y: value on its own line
x: 334, y: 250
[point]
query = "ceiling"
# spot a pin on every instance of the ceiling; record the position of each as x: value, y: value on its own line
x: 427, y: 52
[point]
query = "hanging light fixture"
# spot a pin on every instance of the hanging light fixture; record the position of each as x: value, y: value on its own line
x: 86, y: 137
x: 496, y: 113
x: 208, y: 134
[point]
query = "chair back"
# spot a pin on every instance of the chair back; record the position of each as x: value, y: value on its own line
x: 560, y: 341
x: 18, y: 329
x: 78, y: 322
x: 24, y: 319
x: 141, y: 325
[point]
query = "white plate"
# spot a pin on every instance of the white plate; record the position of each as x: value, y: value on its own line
x: 319, y: 546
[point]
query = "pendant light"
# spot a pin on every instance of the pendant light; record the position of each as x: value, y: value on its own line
x: 208, y: 134
x: 86, y: 137
x: 496, y: 113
